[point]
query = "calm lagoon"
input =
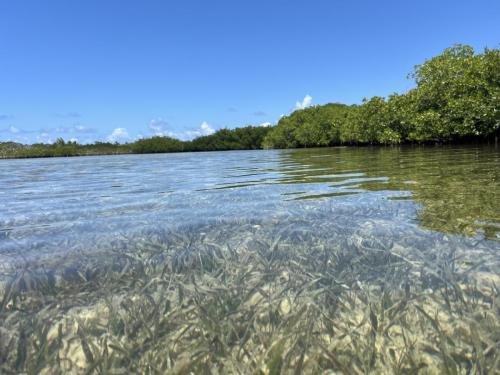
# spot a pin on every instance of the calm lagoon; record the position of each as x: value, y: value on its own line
x: 355, y: 260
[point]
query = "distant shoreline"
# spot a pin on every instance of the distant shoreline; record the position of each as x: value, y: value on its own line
x: 493, y: 142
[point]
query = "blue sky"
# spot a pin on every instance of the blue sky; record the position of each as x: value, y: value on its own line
x: 117, y: 70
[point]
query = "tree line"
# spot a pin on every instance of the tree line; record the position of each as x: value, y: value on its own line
x: 456, y: 98
x: 245, y: 138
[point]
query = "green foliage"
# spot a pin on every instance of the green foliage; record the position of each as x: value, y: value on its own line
x: 457, y: 97
x: 157, y: 145
x: 313, y: 126
x: 246, y: 138
x: 60, y: 148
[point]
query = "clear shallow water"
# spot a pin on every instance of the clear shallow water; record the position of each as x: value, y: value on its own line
x: 63, y: 218
x: 58, y: 206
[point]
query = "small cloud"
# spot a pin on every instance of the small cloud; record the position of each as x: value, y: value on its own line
x: 83, y: 129
x: 74, y: 140
x: 15, y: 138
x: 74, y: 129
x: 206, y: 129
x: 44, y: 137
x: 265, y: 124
x: 159, y: 128
x: 232, y: 109
x: 260, y: 113
x: 4, y: 116
x: 14, y: 130
x: 47, y: 135
x: 306, y: 102
x: 119, y: 134
x: 157, y: 124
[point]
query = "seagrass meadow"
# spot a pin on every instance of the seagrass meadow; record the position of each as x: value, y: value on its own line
x: 318, y: 261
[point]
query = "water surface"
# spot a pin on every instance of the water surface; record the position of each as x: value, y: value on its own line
x: 430, y: 215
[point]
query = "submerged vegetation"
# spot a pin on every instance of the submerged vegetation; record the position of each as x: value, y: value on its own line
x: 250, y: 297
x: 456, y: 98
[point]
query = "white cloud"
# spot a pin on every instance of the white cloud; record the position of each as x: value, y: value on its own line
x: 17, y: 139
x: 159, y: 128
x: 44, y: 137
x: 306, y: 102
x: 265, y: 124
x: 119, y: 134
x: 74, y: 139
x: 21, y: 139
x: 206, y: 129
x: 80, y: 129
x: 48, y: 135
